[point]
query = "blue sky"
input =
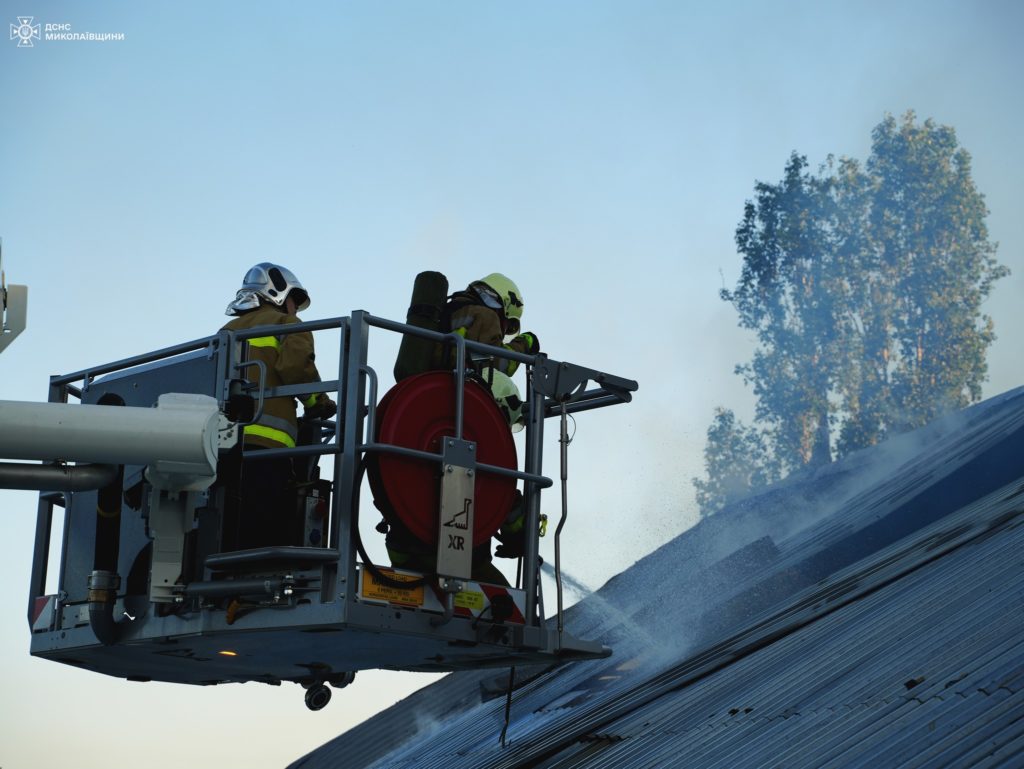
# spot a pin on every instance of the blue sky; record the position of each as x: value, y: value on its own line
x: 598, y: 152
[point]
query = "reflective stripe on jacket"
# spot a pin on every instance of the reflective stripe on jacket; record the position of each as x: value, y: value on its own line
x: 289, y: 360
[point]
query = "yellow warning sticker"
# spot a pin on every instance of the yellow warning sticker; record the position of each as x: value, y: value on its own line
x: 470, y: 599
x: 374, y: 590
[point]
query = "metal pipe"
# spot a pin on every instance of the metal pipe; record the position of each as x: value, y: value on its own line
x: 302, y: 391
x: 293, y: 451
x: 224, y: 352
x: 196, y: 344
x: 449, y: 610
x: 260, y: 385
x: 371, y: 406
x: 460, y: 384
x: 489, y: 350
x: 18, y: 475
x: 40, y: 553
x: 531, y: 492
x: 103, y: 587
x: 137, y: 360
x: 182, y: 429
x: 564, y: 441
x: 576, y: 405
x: 386, y: 448
x: 345, y: 515
x: 292, y: 328
x: 233, y: 587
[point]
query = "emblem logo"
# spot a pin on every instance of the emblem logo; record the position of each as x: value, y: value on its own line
x: 25, y: 31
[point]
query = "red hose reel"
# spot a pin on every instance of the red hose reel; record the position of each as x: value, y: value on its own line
x: 418, y: 413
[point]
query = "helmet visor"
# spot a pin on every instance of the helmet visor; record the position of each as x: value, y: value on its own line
x: 489, y: 297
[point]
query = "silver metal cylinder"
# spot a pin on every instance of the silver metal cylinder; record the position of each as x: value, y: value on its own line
x: 181, y: 429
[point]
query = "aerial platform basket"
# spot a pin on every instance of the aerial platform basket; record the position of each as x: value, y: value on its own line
x: 144, y: 591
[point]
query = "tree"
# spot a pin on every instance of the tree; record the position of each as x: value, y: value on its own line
x: 864, y: 286
x: 737, y: 460
x: 927, y: 268
x: 791, y: 293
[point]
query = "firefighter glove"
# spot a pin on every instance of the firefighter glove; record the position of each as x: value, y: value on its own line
x: 513, y: 544
x: 529, y: 341
x: 321, y: 408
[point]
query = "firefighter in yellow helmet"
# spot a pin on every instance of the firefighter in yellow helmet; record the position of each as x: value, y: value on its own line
x: 261, y: 508
x: 488, y: 311
x: 407, y: 552
x: 511, y: 535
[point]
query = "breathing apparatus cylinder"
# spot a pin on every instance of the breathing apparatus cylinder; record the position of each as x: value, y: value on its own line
x: 429, y: 296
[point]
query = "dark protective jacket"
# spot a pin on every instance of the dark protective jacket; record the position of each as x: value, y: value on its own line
x: 467, y: 317
x: 289, y: 360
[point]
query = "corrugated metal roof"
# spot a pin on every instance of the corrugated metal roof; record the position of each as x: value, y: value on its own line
x: 881, y: 625
x: 933, y: 651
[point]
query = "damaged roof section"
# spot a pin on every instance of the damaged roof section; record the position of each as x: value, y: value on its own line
x: 871, y: 612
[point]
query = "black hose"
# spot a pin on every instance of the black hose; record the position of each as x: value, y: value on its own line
x: 20, y: 475
x: 381, y: 578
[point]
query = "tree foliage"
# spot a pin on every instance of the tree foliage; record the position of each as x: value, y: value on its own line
x: 737, y: 459
x: 863, y: 284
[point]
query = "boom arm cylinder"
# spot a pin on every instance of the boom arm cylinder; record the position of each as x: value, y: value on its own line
x: 180, y: 435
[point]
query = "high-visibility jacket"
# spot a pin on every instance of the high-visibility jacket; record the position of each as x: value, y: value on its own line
x: 289, y: 360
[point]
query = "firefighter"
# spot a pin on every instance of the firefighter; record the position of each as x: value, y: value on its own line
x: 511, y: 535
x: 488, y: 311
x: 408, y: 552
x: 262, y: 506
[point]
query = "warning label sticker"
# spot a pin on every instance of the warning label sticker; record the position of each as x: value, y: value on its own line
x: 377, y: 591
x: 470, y: 599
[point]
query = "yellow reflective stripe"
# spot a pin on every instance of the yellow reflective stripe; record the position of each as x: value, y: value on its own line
x: 269, y: 432
x: 397, y: 557
x: 311, y: 400
x: 278, y: 423
x: 462, y: 331
x: 265, y: 341
x: 514, y: 526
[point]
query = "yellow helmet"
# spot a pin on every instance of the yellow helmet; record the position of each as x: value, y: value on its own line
x: 505, y: 291
x: 508, y: 398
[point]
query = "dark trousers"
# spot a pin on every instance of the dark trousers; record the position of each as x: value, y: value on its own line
x: 261, y: 506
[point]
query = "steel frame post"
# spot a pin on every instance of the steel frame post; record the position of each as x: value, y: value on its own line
x: 355, y: 342
x: 44, y: 523
x: 40, y: 554
x: 531, y: 498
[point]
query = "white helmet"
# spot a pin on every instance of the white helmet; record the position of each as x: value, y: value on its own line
x: 273, y: 283
x: 507, y: 396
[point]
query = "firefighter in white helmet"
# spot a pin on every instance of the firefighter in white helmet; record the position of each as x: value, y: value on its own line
x: 263, y: 489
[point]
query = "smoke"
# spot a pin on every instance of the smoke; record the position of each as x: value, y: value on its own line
x: 655, y: 612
